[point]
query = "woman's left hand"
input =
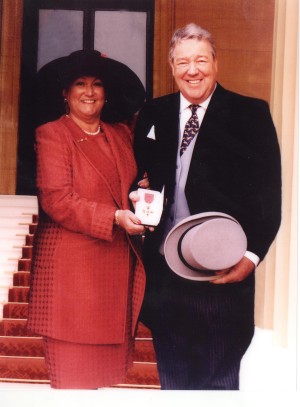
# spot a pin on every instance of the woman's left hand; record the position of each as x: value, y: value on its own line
x: 134, y: 197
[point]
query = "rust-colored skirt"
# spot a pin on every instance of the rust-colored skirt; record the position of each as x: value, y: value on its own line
x: 84, y: 366
x: 81, y: 366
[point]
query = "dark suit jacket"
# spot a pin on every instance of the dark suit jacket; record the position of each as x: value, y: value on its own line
x: 235, y: 167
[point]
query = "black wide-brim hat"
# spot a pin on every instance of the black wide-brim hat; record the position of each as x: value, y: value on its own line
x: 124, y: 91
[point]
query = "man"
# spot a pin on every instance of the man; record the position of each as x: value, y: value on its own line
x: 201, y: 330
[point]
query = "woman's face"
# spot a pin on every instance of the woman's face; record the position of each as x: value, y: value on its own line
x: 86, y: 98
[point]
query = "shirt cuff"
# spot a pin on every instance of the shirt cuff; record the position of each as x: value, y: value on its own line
x: 253, y: 257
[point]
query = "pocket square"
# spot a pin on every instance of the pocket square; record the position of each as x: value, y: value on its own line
x: 151, y: 133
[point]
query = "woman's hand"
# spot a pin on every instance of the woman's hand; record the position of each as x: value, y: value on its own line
x: 131, y: 223
x: 134, y: 197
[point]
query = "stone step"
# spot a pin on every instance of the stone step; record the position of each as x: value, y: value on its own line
x: 26, y: 239
x: 25, y: 251
x: 10, y: 253
x: 20, y: 229
x: 17, y: 230
x: 8, y: 218
x: 12, y: 265
x: 7, y: 276
x: 8, y: 266
x: 8, y: 242
x: 24, y: 201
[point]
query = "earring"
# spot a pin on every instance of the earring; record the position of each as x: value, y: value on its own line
x: 67, y: 108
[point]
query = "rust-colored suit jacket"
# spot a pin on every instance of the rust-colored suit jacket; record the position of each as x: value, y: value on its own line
x: 82, y: 262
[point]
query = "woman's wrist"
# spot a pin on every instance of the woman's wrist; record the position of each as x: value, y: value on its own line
x: 117, y: 218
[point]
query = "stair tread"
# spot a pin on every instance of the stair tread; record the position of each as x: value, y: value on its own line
x: 14, y: 327
x: 25, y: 381
x: 23, y: 367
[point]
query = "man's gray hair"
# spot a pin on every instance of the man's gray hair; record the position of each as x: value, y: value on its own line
x: 191, y: 31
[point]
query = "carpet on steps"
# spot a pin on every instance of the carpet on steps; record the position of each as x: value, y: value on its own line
x: 18, y: 294
x: 21, y: 346
x: 33, y: 346
x: 21, y: 279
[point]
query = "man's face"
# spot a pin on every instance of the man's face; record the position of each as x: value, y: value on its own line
x: 194, y: 69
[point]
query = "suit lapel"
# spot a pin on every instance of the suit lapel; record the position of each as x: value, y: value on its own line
x: 216, y: 119
x: 170, y: 135
x: 217, y: 108
x: 101, y: 164
x: 123, y: 157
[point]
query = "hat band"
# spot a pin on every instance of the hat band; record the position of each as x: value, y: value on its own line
x: 184, y: 260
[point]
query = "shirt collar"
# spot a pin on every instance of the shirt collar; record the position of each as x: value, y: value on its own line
x: 184, y: 103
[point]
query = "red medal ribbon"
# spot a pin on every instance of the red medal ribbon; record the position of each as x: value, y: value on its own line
x: 148, y: 198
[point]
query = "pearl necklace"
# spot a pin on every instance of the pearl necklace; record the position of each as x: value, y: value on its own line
x: 91, y: 133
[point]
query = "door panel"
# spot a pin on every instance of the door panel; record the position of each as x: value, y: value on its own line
x: 68, y: 28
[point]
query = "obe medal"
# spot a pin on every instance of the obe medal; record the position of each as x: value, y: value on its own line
x: 149, y: 207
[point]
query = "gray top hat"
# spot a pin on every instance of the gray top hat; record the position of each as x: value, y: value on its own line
x: 202, y: 244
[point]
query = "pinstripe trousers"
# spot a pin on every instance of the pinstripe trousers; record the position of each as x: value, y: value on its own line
x: 200, y: 330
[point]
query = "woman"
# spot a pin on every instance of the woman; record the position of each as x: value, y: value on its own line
x: 88, y: 279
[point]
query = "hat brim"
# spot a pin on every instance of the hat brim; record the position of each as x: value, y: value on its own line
x: 172, y: 242
x: 124, y: 90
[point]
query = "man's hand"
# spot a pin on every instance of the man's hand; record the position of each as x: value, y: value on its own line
x: 236, y: 273
x: 144, y: 183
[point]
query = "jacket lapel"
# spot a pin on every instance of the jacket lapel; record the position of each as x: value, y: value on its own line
x: 100, y: 164
x: 123, y: 157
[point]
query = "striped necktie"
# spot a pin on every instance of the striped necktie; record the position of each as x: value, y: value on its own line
x: 190, y: 130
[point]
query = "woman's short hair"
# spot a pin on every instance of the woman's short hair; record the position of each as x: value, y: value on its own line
x: 191, y: 31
